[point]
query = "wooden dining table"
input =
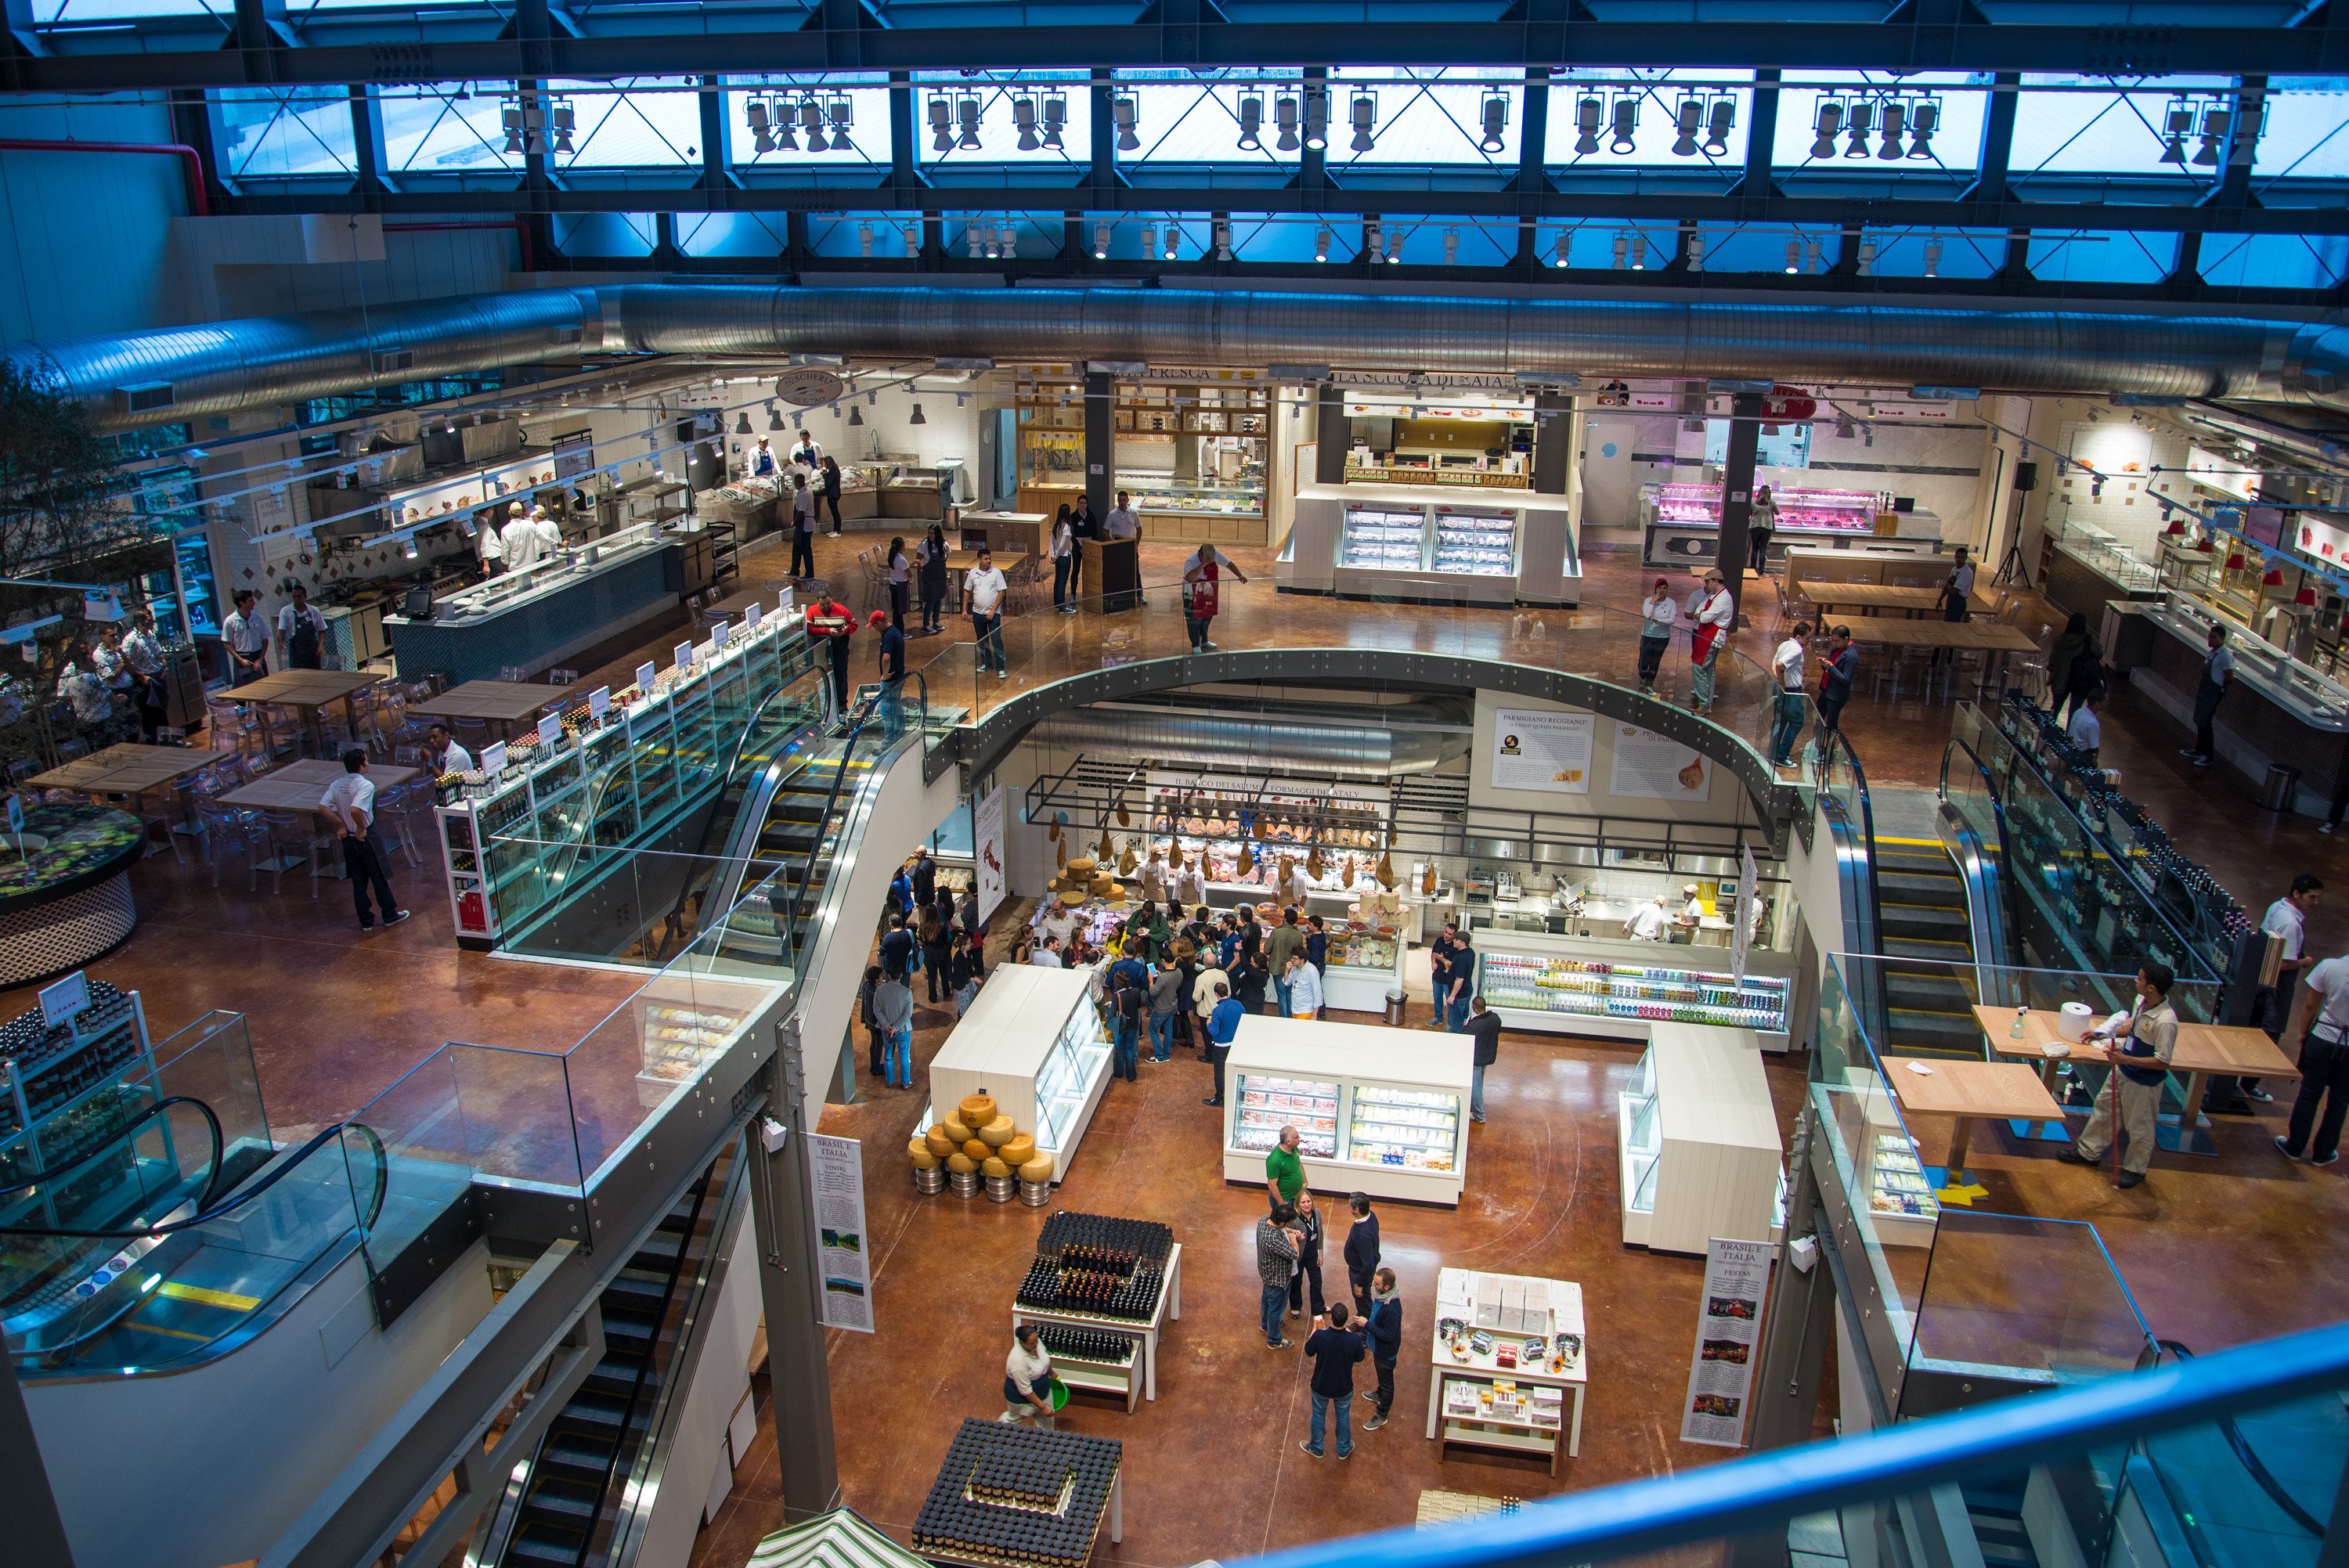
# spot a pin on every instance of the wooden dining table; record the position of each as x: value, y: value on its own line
x: 1827, y: 597
x: 302, y: 787
x: 506, y: 703
x: 129, y: 768
x: 308, y: 692
x: 1967, y: 1091
x: 2201, y: 1051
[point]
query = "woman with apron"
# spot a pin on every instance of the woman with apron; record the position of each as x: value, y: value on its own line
x: 303, y: 630
x: 934, y: 579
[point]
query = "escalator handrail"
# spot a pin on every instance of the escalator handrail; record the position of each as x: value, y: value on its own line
x: 866, y: 713
x: 247, y: 1195
x: 129, y: 1129
x: 742, y: 838
x: 2003, y: 867
x: 1870, y: 903
x: 2259, y: 1472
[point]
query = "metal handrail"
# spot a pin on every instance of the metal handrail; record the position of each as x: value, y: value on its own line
x: 1867, y: 907
x: 865, y: 713
x: 1910, y: 1457
x: 2259, y: 1472
x: 245, y: 1195
x: 2003, y: 868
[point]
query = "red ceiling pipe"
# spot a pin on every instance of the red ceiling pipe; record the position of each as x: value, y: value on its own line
x: 521, y: 229
x: 197, y: 204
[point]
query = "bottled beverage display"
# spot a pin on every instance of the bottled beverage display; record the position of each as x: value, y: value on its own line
x: 1097, y: 1265
x: 1101, y: 1236
x: 1016, y: 1495
x: 48, y: 1064
x: 1063, y: 1342
x: 1598, y: 988
x: 1059, y: 1289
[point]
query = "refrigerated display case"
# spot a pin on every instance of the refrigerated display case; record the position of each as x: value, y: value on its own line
x: 1384, y: 538
x: 1683, y: 521
x: 1591, y: 985
x: 1700, y: 1148
x: 1475, y: 541
x: 1035, y: 1042
x: 1374, y: 1113
x: 1365, y: 964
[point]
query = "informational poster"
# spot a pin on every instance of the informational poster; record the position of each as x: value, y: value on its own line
x: 1654, y: 767
x: 843, y: 1252
x: 1728, y: 1338
x: 1534, y: 749
x: 987, y: 854
x: 1749, y: 893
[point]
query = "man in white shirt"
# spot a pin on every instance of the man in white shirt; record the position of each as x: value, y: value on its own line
x: 1304, y: 986
x: 443, y: 754
x: 2287, y: 921
x: 1191, y: 884
x: 762, y: 459
x: 1648, y: 923
x: 549, y: 532
x: 488, y: 547
x: 1712, y: 611
x: 1792, y: 706
x: 1045, y: 955
x: 802, y: 509
x: 983, y: 587
x: 349, y: 804
x: 301, y: 631
x: 521, y: 537
x: 1028, y: 1379
x: 143, y: 657
x: 1693, y: 909
x: 2324, y: 1068
x: 1122, y: 522
x: 2087, y: 731
x: 1290, y: 890
x: 2218, y: 674
x: 246, y: 635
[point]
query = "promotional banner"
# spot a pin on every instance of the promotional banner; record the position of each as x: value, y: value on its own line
x: 1657, y: 767
x: 987, y: 854
x: 1728, y: 1338
x: 1749, y: 893
x: 1537, y: 749
x: 836, y: 1175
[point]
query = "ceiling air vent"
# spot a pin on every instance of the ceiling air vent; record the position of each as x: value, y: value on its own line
x: 565, y: 337
x: 391, y: 361
x: 142, y: 397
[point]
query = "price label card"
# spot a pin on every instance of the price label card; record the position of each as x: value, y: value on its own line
x: 683, y: 656
x: 599, y: 702
x: 494, y: 757
x: 715, y: 647
x: 550, y: 729
x: 16, y: 814
x: 645, y: 677
x: 64, y: 999
x: 750, y: 616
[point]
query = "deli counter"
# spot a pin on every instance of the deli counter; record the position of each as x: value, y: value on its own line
x: 1682, y: 521
x: 527, y: 619
x: 1400, y: 543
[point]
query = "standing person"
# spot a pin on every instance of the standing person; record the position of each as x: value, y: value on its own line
x: 762, y: 459
x: 1659, y: 613
x: 1082, y: 525
x: 301, y: 633
x: 488, y: 547
x: 892, y: 1013
x: 830, y: 494
x: 1760, y: 522
x: 1648, y: 923
x: 1165, y: 1000
x: 1304, y: 988
x: 1958, y: 588
x: 1836, y: 675
x: 1439, y: 975
x: 936, y: 946
x: 802, y: 529
x: 2076, y: 666
x: 924, y: 877
x: 549, y: 532
x: 963, y: 971
x: 1191, y: 881
x: 1712, y: 609
x: 1028, y: 1379
x: 246, y: 638
x: 830, y: 626
x: 1385, y: 1334
x: 1793, y: 704
x: 1064, y: 547
x: 2217, y: 672
x: 1122, y: 521
x: 2287, y: 919
x: 1482, y: 1027
x: 1223, y: 1022
x: 1284, y: 1169
x: 875, y: 1041
x: 1209, y: 986
x: 1130, y: 1001
x: 2130, y: 1102
x: 1202, y: 598
x: 2324, y: 1068
x: 1249, y: 980
x: 1317, y: 944
x: 1276, y: 1260
x: 143, y: 657
x: 1362, y: 1250
x: 349, y: 804
x: 2086, y: 734
x: 896, y: 945
x: 932, y: 554
x: 1278, y: 948
x: 1334, y: 1349
x: 519, y: 536
x: 1463, y: 972
x: 900, y: 586
x: 1309, y: 1257
x: 983, y: 587
x: 892, y: 669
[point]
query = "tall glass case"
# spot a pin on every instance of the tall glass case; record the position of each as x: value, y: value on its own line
x: 1033, y: 1043
x: 1384, y: 538
x: 1475, y: 541
x: 1643, y: 1137
x: 1078, y: 1053
x: 1413, y: 1127
x: 1269, y: 1101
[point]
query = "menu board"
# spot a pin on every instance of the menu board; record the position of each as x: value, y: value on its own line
x: 1537, y: 748
x: 1654, y: 767
x: 836, y: 1175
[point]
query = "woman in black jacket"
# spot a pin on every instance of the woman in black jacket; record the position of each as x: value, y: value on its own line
x: 864, y: 1016
x: 934, y: 578
x: 2076, y: 666
x: 830, y: 494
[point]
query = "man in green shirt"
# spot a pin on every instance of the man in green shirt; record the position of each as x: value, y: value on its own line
x: 1284, y: 1172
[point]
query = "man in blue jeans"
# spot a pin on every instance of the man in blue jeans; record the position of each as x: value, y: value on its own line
x: 983, y: 589
x: 1334, y: 1349
x: 1276, y: 1260
x: 1463, y: 973
x: 1130, y: 1002
x: 1165, y: 1001
x: 1793, y: 708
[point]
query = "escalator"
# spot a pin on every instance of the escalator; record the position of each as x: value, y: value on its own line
x: 781, y: 852
x: 1924, y: 918
x: 565, y: 1507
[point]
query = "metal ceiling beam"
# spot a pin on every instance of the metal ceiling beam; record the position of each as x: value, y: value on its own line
x: 410, y: 46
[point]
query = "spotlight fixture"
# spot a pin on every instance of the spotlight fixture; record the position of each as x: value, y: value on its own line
x: 1101, y: 242
x: 1056, y: 120
x: 855, y: 415
x: 1858, y: 120
x: 1622, y: 250
x: 865, y: 239
x: 1590, y: 111
x: 774, y: 417
x: 1362, y: 113
x: 1127, y: 111
x: 1696, y: 250
x: 1933, y: 258
x: 942, y: 137
x: 1493, y: 118
x: 1924, y: 120
x: 1639, y: 253
x: 1557, y: 253
x: 1625, y: 121
x: 2177, y: 125
x: 1394, y: 247
x: 1867, y: 258
x: 1149, y: 241
x: 563, y: 123
x: 811, y: 121
x: 1891, y: 124
x: 839, y: 113
x: 1373, y: 237
x: 1451, y: 247
x: 1810, y: 254
x: 912, y: 242
x: 1719, y: 120
x: 742, y: 423
x: 1023, y: 120
x: 1688, y: 118
x: 2216, y: 122
x: 1321, y: 244
x: 1285, y: 115
x: 1317, y: 119
x: 1174, y: 232
x: 1251, y: 123
x: 1828, y: 124
x: 1223, y: 231
x: 1009, y: 233
x: 762, y: 135
x: 967, y: 116
x: 972, y: 239
x: 1794, y: 255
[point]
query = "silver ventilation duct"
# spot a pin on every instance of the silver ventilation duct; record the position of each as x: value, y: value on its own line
x: 152, y: 377
x: 1192, y: 735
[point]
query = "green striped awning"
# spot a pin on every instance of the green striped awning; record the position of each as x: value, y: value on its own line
x: 840, y: 1539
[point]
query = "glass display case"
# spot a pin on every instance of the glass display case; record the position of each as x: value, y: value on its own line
x: 1269, y: 1101
x: 1383, y: 539
x: 1362, y: 965
x: 1799, y: 510
x: 1034, y: 1043
x: 2108, y: 557
x: 1476, y: 541
x: 1078, y: 1055
x: 1699, y: 1152
x: 1643, y: 1137
x: 1360, y: 947
x: 1598, y: 988
x: 685, y: 1028
x: 1900, y: 1201
x: 1164, y: 493
x: 1412, y: 1128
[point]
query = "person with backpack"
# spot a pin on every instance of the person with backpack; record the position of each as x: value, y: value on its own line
x: 2076, y: 666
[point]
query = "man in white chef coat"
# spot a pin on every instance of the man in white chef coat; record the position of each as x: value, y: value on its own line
x: 1648, y: 923
x: 549, y: 533
x: 521, y: 537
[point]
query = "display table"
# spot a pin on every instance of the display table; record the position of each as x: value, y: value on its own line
x: 2201, y: 1049
x: 1025, y: 534
x: 1014, y: 1497
x: 1872, y: 598
x: 1965, y: 1092
x: 1497, y: 1306
x: 307, y: 692
x: 503, y: 703
x: 1144, y: 1332
x: 1378, y: 1110
x: 65, y: 889
x: 1700, y: 1146
x: 1622, y: 989
x: 1034, y: 1041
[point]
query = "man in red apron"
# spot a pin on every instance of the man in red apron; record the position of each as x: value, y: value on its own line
x: 830, y: 623
x: 1711, y: 611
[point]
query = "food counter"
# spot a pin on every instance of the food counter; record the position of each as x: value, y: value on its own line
x: 2276, y: 709
x: 1399, y: 543
x: 65, y: 889
x: 530, y: 619
x: 1622, y: 989
x: 1682, y: 521
x: 1376, y: 1110
x: 2088, y: 569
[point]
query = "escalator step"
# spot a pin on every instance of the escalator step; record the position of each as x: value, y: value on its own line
x: 586, y: 1457
x: 546, y: 1542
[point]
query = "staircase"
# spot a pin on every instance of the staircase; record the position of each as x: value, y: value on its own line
x: 1922, y: 913
x: 1995, y: 1505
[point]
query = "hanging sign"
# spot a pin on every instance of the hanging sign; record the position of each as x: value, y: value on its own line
x: 1728, y: 1338
x: 986, y: 856
x: 1535, y: 748
x: 836, y: 1180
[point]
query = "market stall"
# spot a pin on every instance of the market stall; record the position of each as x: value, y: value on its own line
x: 1508, y: 1353
x: 1483, y: 546
x: 1682, y: 521
x: 1378, y: 1110
x: 1622, y: 989
x: 1033, y: 1041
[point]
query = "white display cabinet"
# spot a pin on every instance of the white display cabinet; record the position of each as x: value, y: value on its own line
x: 1033, y: 1041
x: 1363, y: 966
x: 1623, y: 990
x: 1378, y: 1110
x: 1700, y: 1148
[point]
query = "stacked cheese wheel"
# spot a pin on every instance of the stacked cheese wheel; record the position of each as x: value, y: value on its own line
x: 980, y: 1138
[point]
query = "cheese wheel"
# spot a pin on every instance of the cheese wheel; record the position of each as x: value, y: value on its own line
x: 940, y: 1144
x: 955, y: 1129
x: 976, y: 1112
x: 1018, y: 1151
x: 978, y: 1151
x: 1082, y: 866
x: 923, y: 1158
x: 920, y: 1145
x: 961, y: 1164
x: 998, y: 1133
x: 995, y: 1168
x: 1037, y: 1170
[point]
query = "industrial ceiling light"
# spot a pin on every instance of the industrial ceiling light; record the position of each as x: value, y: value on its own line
x: 1829, y: 125
x: 864, y: 239
x: 1794, y: 255
x: 1149, y: 241
x: 1251, y: 123
x: 1867, y: 258
x: 1695, y: 244
x: 2177, y: 125
x: 1451, y: 247
x: 1362, y: 113
x: 942, y: 137
x: 1009, y: 233
x: 811, y: 121
x: 1858, y: 120
x: 1924, y: 120
x: 967, y: 116
x: 1688, y: 118
x: 1024, y: 119
x: 1101, y: 242
x: 1056, y: 120
x: 1719, y: 120
x: 916, y: 418
x: 912, y: 242
x: 1317, y: 119
x: 1173, y: 233
x: 1493, y: 118
x: 1933, y: 265
x: 564, y: 125
x: 993, y: 236
x: 774, y: 417
x: 1625, y: 121
x: 1373, y: 238
x: 1321, y: 244
x: 1639, y: 253
x: 1128, y: 111
x: 742, y: 423
x: 762, y: 136
x: 1394, y: 247
x: 1557, y: 253
x: 855, y: 415
x: 2216, y: 122
x: 1892, y: 124
x: 1590, y: 111
x: 1810, y: 254
x: 1285, y: 115
x: 839, y: 113
x: 1223, y: 240
x: 972, y: 239
x: 1843, y: 426
x: 1622, y: 250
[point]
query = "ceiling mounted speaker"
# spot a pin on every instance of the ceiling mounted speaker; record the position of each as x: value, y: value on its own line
x: 806, y: 385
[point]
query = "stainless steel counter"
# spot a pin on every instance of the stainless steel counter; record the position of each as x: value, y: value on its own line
x: 2302, y: 693
x: 503, y: 596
